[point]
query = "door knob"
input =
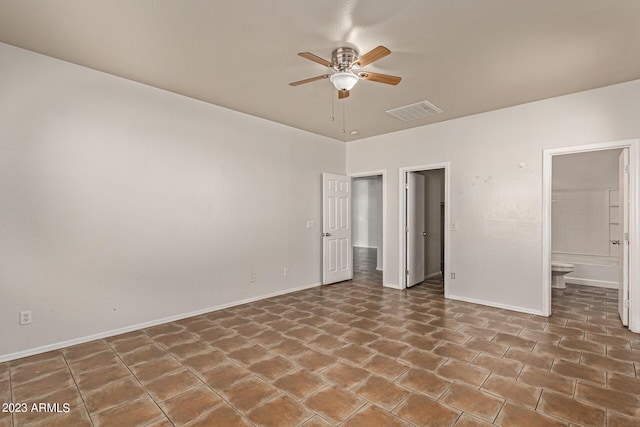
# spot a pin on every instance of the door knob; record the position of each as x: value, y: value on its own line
x: 424, y: 233
x: 326, y: 234
x: 615, y: 242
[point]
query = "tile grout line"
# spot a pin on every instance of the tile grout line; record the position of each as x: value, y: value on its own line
x: 322, y: 388
x: 222, y: 398
x: 11, y: 397
x: 504, y: 402
x: 139, y: 382
x: 75, y: 382
x: 268, y: 381
x: 37, y: 378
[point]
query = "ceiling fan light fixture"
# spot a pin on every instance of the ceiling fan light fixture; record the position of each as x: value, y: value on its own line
x: 344, y: 69
x: 344, y: 80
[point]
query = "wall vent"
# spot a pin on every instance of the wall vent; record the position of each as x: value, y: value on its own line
x: 419, y: 110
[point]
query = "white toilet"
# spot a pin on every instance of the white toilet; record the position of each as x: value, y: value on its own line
x: 558, y: 271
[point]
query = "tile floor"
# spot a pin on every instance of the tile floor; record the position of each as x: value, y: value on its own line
x: 350, y: 354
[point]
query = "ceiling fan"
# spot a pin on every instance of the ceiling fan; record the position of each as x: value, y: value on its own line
x: 344, y: 69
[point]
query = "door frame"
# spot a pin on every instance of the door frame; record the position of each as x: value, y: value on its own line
x: 403, y: 221
x: 383, y: 173
x: 634, y: 222
x: 623, y: 197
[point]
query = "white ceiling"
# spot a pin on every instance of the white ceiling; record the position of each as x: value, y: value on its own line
x: 464, y: 56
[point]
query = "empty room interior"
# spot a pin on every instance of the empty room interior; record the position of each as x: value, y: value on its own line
x: 335, y: 213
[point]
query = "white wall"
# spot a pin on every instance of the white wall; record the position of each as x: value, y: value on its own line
x: 580, y: 171
x: 367, y: 214
x: 122, y: 204
x: 496, y: 184
x: 365, y: 231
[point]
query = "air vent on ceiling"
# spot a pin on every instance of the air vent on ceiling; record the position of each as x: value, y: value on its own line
x: 419, y: 110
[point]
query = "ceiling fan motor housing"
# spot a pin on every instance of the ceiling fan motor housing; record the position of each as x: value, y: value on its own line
x: 343, y: 57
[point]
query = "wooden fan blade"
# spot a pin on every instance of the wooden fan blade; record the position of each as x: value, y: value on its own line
x: 310, y: 56
x: 343, y: 94
x: 312, y: 79
x: 371, y: 56
x: 380, y: 78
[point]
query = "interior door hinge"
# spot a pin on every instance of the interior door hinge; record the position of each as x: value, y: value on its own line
x: 626, y: 168
x: 407, y: 272
x: 626, y: 236
x: 626, y: 303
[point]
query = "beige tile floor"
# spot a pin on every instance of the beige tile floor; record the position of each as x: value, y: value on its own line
x: 351, y: 354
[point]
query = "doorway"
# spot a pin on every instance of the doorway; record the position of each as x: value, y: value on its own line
x: 367, y: 218
x: 424, y: 225
x: 608, y: 235
x: 586, y: 222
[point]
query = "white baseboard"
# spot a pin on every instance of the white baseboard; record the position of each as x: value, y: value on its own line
x: 589, y: 282
x: 365, y: 247
x: 429, y: 276
x: 111, y: 333
x: 392, y: 286
x: 496, y: 305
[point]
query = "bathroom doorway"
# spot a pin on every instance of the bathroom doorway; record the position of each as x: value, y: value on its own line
x: 424, y: 225
x: 586, y: 224
x: 367, y: 218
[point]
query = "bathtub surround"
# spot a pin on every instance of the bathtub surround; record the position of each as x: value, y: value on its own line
x: 580, y: 221
x: 584, y: 227
x: 591, y: 270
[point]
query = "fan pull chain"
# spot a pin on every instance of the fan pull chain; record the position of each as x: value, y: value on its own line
x: 344, y: 114
x: 333, y: 106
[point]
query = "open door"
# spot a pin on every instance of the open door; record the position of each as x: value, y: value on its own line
x: 415, y: 228
x: 336, y: 229
x: 623, y: 296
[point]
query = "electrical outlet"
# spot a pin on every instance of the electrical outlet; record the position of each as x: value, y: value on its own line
x: 253, y: 277
x: 453, y: 275
x: 25, y: 317
x: 285, y: 271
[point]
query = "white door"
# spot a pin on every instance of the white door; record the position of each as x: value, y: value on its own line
x: 336, y: 229
x: 623, y: 296
x: 415, y: 228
